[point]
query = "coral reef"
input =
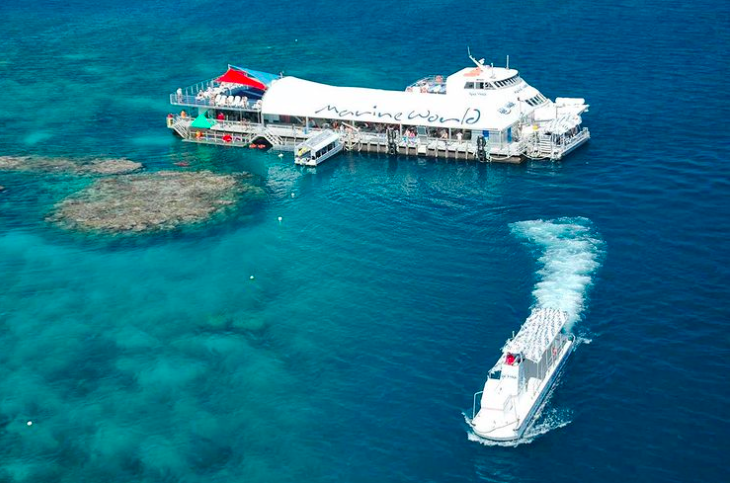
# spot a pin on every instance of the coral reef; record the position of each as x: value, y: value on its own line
x: 149, y: 202
x: 100, y: 166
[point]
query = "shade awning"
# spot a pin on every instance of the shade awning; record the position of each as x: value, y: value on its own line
x: 202, y: 122
x: 265, y: 78
x: 235, y: 76
x: 537, y: 333
x: 297, y: 97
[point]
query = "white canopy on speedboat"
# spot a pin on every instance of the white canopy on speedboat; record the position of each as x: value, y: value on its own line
x: 290, y: 96
x: 319, y: 140
x: 537, y: 333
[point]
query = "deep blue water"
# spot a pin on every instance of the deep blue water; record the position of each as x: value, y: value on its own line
x: 388, y: 288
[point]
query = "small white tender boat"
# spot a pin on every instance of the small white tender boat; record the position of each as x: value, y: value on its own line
x: 318, y: 148
x: 518, y: 384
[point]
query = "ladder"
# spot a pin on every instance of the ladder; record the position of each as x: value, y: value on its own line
x: 273, y: 138
x: 182, y: 128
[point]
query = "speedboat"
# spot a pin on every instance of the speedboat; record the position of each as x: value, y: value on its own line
x: 518, y: 384
x: 318, y: 148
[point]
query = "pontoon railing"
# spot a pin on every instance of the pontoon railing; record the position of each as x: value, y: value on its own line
x: 351, y: 137
x: 250, y: 105
x: 432, y: 84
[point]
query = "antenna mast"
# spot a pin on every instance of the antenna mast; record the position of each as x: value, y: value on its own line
x: 468, y: 51
x: 507, y: 61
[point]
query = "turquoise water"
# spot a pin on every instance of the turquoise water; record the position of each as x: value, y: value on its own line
x: 383, y: 296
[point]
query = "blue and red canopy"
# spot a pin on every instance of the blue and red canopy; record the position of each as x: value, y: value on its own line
x: 247, y: 77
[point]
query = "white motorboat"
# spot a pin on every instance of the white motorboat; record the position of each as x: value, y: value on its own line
x: 318, y: 148
x: 517, y: 386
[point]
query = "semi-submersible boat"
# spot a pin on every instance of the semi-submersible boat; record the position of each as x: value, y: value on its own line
x: 519, y: 383
x: 481, y: 113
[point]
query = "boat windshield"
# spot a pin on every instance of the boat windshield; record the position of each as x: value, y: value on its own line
x: 495, y: 374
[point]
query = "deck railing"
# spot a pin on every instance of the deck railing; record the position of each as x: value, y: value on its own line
x: 432, y: 84
x: 197, y: 101
x: 278, y: 134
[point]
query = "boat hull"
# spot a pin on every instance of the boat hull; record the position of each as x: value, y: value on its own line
x: 516, y: 429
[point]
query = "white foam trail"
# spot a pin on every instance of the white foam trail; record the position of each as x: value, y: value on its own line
x: 570, y: 252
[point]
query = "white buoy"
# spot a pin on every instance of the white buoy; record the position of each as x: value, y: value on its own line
x: 281, y: 155
x: 292, y: 195
x: 251, y: 277
x: 280, y: 218
x: 30, y: 423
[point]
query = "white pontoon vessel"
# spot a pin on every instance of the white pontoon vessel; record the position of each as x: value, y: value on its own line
x: 318, y: 148
x: 480, y: 112
x: 519, y: 383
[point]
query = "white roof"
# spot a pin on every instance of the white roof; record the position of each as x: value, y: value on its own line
x: 297, y: 97
x: 537, y: 333
x: 319, y: 140
x: 485, y: 73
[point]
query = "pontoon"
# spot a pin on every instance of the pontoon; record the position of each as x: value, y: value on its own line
x: 481, y: 112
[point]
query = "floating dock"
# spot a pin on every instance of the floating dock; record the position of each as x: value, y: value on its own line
x: 481, y: 113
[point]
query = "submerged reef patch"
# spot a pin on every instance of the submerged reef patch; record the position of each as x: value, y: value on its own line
x: 51, y: 165
x: 152, y: 202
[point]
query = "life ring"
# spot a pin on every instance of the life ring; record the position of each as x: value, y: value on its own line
x: 261, y: 146
x: 227, y: 138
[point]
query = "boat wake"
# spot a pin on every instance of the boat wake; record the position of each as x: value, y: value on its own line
x: 569, y: 252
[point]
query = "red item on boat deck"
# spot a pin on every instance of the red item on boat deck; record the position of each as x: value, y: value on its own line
x: 510, y: 359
